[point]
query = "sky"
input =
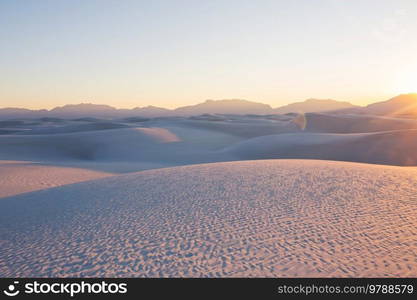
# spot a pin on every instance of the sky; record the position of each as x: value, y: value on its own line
x: 130, y: 53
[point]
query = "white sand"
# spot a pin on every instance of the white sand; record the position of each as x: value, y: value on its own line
x: 253, y: 218
x: 18, y: 177
x: 183, y: 141
x: 349, y: 123
x: 169, y: 146
x: 388, y: 147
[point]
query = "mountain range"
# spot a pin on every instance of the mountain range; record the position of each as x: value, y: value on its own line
x: 402, y: 105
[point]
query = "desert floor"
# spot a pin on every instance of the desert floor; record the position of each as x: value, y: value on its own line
x: 209, y: 196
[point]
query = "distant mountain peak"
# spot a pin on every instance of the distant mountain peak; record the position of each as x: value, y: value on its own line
x: 404, y: 104
x: 411, y: 97
x: 309, y: 100
x: 84, y: 106
x: 314, y: 105
x: 225, y: 106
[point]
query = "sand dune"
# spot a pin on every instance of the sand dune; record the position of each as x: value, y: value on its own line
x: 179, y: 141
x: 166, y: 146
x: 389, y: 147
x: 255, y: 218
x: 350, y: 123
x: 244, y: 127
x: 91, y: 126
x: 18, y: 177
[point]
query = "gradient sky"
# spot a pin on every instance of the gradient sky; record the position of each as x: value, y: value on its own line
x: 172, y: 53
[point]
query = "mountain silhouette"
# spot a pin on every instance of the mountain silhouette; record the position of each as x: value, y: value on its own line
x: 402, y: 105
x: 314, y: 105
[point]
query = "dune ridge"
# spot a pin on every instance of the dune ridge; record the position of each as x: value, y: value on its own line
x: 182, y: 142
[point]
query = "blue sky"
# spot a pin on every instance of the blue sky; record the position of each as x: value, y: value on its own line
x: 172, y: 53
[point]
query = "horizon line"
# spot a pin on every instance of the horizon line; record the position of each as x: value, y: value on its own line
x: 204, y: 101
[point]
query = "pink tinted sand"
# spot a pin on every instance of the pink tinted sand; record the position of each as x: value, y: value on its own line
x: 18, y: 177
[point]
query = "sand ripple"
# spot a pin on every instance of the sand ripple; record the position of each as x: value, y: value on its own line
x: 252, y: 218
